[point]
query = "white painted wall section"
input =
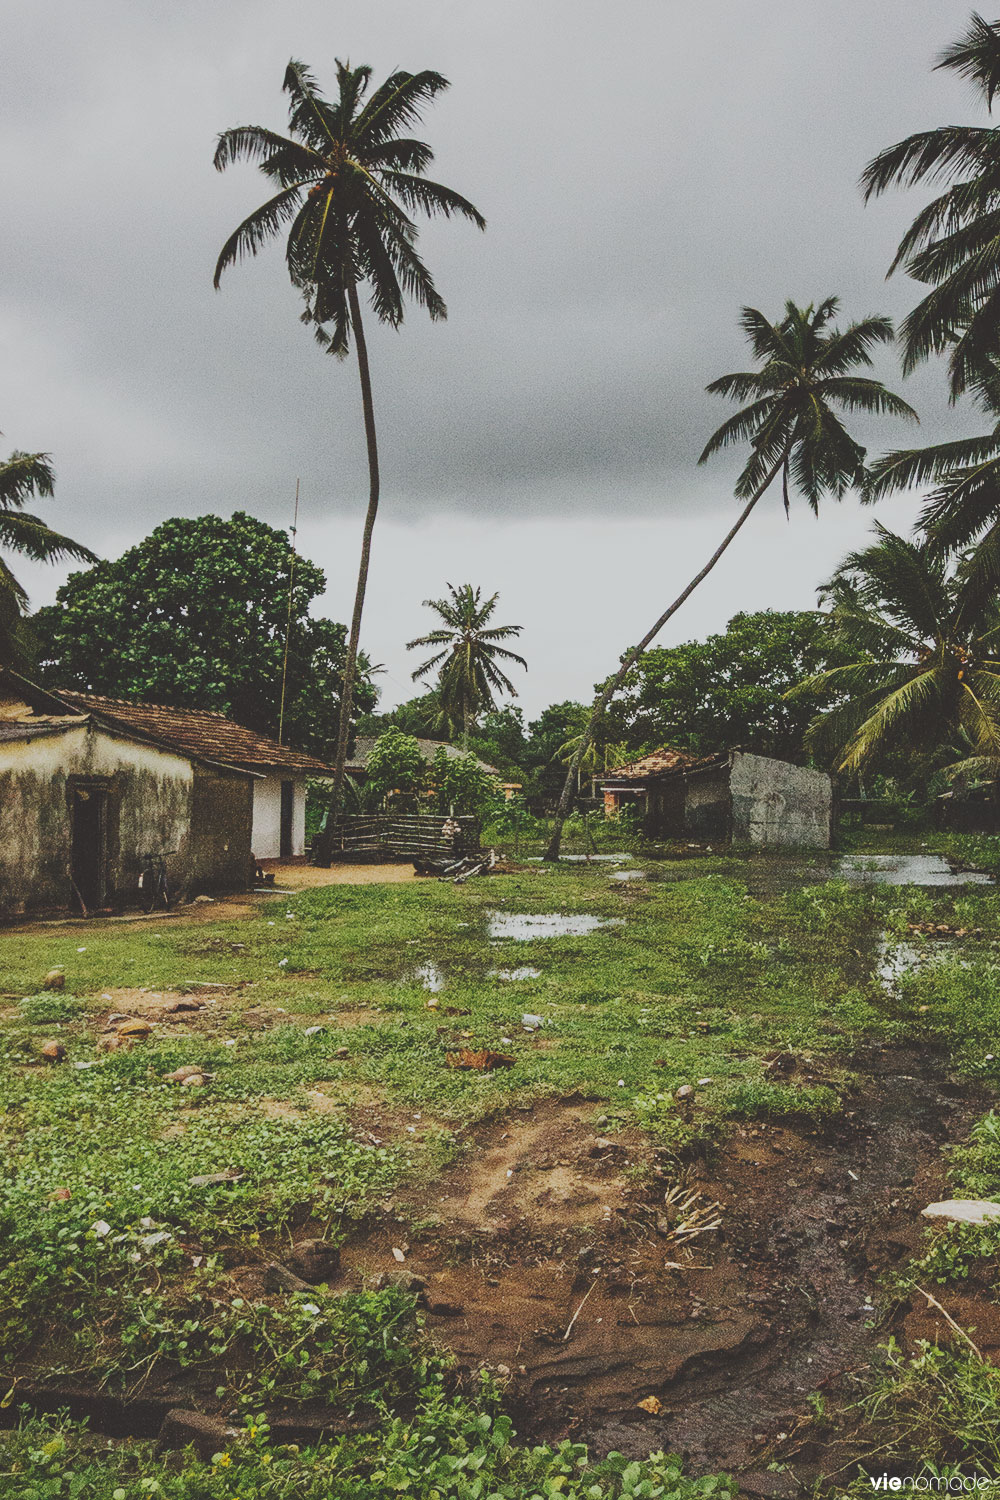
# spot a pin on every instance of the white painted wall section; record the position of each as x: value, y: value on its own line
x: 267, y: 816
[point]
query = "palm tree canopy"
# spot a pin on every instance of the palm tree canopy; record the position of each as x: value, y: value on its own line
x: 349, y: 180
x: 926, y: 674
x: 805, y: 378
x: 23, y: 477
x: 469, y: 674
x: 953, y: 245
x: 961, y: 509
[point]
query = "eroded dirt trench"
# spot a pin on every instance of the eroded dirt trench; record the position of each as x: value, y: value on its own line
x: 550, y: 1257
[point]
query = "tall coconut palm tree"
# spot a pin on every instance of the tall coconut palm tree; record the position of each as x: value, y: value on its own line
x: 24, y: 477
x: 926, y: 674
x: 791, y: 422
x: 469, y: 673
x: 953, y: 245
x: 349, y: 180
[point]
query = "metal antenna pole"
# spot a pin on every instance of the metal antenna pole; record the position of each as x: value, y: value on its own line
x: 288, y: 626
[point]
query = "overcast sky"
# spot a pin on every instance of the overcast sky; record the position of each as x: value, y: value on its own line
x: 646, y: 169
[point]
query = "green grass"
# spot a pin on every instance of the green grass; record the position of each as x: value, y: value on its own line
x: 112, y: 1261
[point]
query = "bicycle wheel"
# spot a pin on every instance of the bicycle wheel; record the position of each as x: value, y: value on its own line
x: 163, y: 893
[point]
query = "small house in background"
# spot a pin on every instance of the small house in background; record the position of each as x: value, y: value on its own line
x: 357, y: 767
x: 969, y: 809
x: 89, y: 786
x: 730, y: 798
x: 626, y: 786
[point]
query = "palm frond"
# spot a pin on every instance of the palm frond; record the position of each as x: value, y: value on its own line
x: 259, y: 227
x: 928, y: 154
x: 24, y: 476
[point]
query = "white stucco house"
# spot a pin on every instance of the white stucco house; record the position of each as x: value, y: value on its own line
x: 278, y: 772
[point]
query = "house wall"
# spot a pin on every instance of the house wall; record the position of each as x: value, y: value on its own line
x: 267, y: 816
x: 708, y: 808
x: 148, y: 809
x: 221, y: 819
x: 775, y: 803
x: 665, y: 809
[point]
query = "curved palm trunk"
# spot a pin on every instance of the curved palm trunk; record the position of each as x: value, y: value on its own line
x: 324, y: 843
x: 572, y: 775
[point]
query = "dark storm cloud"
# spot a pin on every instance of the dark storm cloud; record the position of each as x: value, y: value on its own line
x: 646, y: 168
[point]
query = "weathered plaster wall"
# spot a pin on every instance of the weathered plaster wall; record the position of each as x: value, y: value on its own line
x: 775, y: 803
x: 149, y: 809
x: 221, y: 819
x: 267, y: 816
x: 708, y: 810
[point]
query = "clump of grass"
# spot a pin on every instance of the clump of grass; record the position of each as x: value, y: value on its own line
x: 761, y: 1099
x: 932, y: 1413
x: 450, y: 1447
x: 48, y: 1007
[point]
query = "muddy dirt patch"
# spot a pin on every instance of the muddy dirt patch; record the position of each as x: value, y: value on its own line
x: 547, y: 1254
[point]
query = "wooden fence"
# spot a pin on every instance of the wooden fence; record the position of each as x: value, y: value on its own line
x: 384, y: 836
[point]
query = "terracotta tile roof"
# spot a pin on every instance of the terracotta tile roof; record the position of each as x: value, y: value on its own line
x: 200, y: 732
x: 657, y: 763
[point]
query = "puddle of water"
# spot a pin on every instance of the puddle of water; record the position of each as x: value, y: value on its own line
x: 905, y: 869
x: 629, y: 875
x: 582, y: 859
x: 515, y: 974
x: 520, y: 927
x: 430, y: 977
x: 898, y: 958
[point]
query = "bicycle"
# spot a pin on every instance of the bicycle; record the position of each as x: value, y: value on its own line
x: 154, y: 891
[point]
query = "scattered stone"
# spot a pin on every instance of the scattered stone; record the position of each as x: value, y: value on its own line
x: 650, y: 1404
x: 531, y: 1022
x: 686, y: 1091
x: 101, y: 1228
x: 55, y: 979
x: 313, y: 1030
x: 185, y: 1003
x: 52, y: 1051
x: 214, y: 1179
x: 202, y: 900
x: 136, y: 1030
x: 150, y: 1241
x: 119, y: 1015
x: 601, y: 1146
x: 278, y: 1278
x: 314, y: 1260
x: 342, y: 1052
x: 192, y: 1429
x: 397, y: 1254
x: 180, y: 1074
x: 963, y: 1210
x: 194, y: 1081
x: 405, y: 1281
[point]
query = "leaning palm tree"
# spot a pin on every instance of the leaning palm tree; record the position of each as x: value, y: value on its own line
x: 23, y: 477
x: 795, y: 434
x: 953, y: 245
x: 349, y: 179
x: 926, y: 671
x: 468, y: 660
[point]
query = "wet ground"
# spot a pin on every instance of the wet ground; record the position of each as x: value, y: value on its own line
x: 905, y: 869
x: 543, y: 1260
